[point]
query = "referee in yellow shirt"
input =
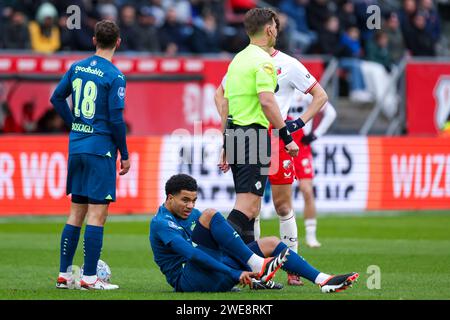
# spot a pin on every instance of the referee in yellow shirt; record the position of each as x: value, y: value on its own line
x: 248, y: 109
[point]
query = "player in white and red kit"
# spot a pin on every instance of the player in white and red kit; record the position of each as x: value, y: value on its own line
x: 303, y: 163
x: 292, y: 76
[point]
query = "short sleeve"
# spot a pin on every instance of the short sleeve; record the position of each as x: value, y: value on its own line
x: 167, y: 230
x: 265, y: 78
x: 301, y: 79
x: 116, y: 99
x: 64, y: 88
x: 224, y: 81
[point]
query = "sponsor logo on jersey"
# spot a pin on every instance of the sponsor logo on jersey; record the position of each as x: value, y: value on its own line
x: 94, y: 71
x: 80, y: 127
x: 173, y: 225
x: 93, y: 63
x: 286, y: 164
x: 121, y: 92
x: 268, y: 68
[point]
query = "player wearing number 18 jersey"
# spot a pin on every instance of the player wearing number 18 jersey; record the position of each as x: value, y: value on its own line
x: 97, y: 132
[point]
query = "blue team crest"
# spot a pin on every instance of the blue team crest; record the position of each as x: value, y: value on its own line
x: 121, y: 92
x: 93, y: 63
x: 173, y: 225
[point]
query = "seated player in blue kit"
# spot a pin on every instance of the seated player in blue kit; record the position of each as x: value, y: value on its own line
x: 200, y: 251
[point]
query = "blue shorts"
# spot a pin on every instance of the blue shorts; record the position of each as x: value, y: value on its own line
x: 195, y: 278
x: 92, y: 176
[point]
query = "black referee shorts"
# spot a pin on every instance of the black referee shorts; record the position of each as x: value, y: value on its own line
x: 248, y: 152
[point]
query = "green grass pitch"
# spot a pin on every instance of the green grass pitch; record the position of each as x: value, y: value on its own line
x: 412, y: 251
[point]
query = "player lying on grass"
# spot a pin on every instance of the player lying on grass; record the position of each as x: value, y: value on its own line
x: 200, y: 251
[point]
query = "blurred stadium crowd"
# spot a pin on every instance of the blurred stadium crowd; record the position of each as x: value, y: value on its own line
x: 367, y: 57
x: 171, y: 27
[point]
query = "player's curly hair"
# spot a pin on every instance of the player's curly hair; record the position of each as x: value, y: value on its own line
x: 180, y: 182
x: 106, y: 33
x: 256, y: 19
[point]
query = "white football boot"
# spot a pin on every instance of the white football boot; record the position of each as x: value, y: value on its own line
x: 97, y: 285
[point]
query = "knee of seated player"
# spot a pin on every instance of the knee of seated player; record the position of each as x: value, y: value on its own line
x: 267, y: 245
x: 207, y: 215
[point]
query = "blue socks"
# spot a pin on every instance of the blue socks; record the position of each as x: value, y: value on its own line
x: 229, y: 239
x: 295, y: 264
x: 69, y: 243
x: 93, y: 241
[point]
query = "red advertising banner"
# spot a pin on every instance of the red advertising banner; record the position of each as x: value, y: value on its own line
x: 409, y: 173
x: 356, y: 173
x: 33, y: 176
x: 427, y: 97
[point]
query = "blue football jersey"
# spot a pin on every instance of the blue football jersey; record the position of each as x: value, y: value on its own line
x: 164, y: 227
x: 97, y: 87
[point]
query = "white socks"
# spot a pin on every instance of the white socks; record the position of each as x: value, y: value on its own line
x: 256, y: 263
x: 321, y: 277
x: 288, y: 231
x: 310, y: 228
x: 89, y: 279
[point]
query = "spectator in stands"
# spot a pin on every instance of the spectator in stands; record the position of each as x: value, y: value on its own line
x: 406, y: 15
x: 286, y: 41
x: 360, y: 9
x: 147, y: 31
x: 28, y: 122
x: 418, y: 40
x: 346, y: 14
x: 174, y: 35
x: 15, y: 32
x: 302, y: 36
x: 396, y: 43
x: 107, y: 11
x: 7, y: 122
x: 206, y: 37
x: 129, y: 32
x: 51, y: 122
x: 317, y: 13
x: 433, y: 24
x: 157, y: 11
x: 349, y: 40
x: 377, y: 74
x: 330, y: 43
x: 44, y: 33
x: 377, y: 50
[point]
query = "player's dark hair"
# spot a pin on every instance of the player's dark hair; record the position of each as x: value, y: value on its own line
x: 106, y: 33
x: 256, y: 19
x: 180, y: 182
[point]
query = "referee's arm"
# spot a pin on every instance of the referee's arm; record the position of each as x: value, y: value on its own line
x: 221, y: 105
x: 271, y: 110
